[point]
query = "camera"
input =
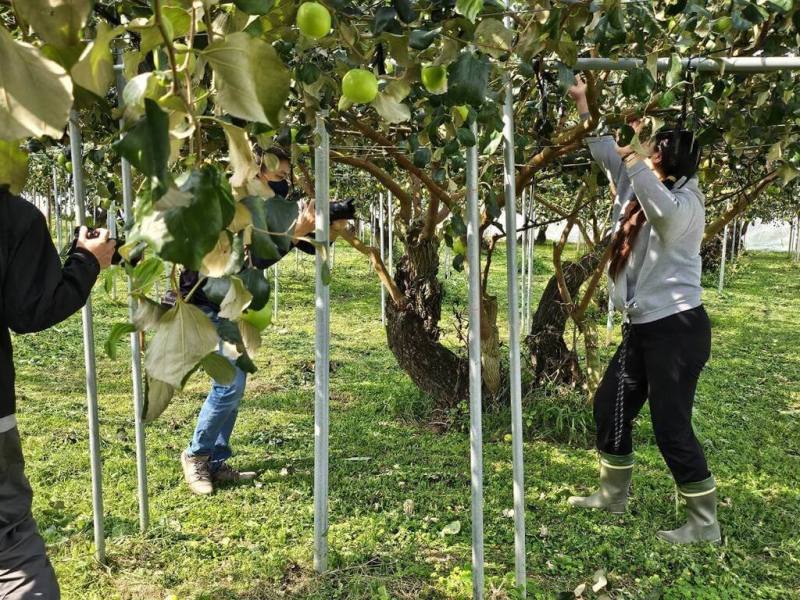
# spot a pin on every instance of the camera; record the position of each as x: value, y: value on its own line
x: 118, y: 243
x: 343, y: 210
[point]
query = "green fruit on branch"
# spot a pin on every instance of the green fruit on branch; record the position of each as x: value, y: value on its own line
x: 261, y: 318
x: 313, y: 20
x: 360, y: 86
x: 434, y: 78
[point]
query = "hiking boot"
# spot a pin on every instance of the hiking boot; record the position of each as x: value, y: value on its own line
x: 226, y: 474
x: 197, y: 473
x: 701, y: 513
x: 615, y: 482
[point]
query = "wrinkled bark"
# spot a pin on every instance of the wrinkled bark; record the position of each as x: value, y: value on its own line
x: 549, y: 355
x: 413, y: 331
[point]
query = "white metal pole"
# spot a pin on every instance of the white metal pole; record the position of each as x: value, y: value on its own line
x: 96, y: 466
x: 57, y: 210
x: 275, y: 297
x: 136, y: 349
x: 734, y: 241
x: 390, y: 218
x: 609, y: 318
x: 797, y: 240
x: 475, y: 397
x: 722, y: 259
x: 531, y: 256
x: 111, y: 225
x: 747, y: 64
x: 523, y: 258
x: 383, y: 255
x: 322, y: 357
x: 515, y: 377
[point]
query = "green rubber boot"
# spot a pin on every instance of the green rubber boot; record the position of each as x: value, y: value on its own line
x: 701, y: 513
x: 615, y: 482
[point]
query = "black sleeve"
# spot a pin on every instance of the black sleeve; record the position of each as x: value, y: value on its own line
x: 302, y: 245
x: 39, y: 292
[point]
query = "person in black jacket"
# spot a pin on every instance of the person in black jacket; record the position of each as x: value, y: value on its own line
x: 36, y: 292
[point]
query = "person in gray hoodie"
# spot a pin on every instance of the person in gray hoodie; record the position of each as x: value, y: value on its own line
x: 654, y: 275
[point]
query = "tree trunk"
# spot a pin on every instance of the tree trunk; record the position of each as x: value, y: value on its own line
x: 550, y: 358
x: 413, y: 331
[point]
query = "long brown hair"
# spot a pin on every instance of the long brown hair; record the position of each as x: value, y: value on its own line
x: 680, y: 156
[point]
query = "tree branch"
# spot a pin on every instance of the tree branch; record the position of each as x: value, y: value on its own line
x: 375, y: 257
x: 387, y: 180
x: 745, y: 200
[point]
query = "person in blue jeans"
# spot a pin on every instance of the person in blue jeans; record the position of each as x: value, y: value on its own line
x: 205, y: 459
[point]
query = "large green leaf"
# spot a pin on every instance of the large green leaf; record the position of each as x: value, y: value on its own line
x: 468, y: 79
x: 194, y: 229
x: 94, y: 70
x: 281, y: 214
x: 252, y: 82
x: 146, y: 144
x: 237, y: 299
x: 13, y: 166
x: 118, y: 331
x: 257, y: 285
x: 218, y: 368
x: 35, y: 93
x: 157, y: 397
x: 240, y: 155
x: 56, y: 22
x: 493, y: 38
x: 261, y: 243
x: 420, y: 39
x: 184, y: 335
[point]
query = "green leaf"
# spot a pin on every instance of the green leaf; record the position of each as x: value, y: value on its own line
x: 674, y: 70
x: 405, y: 10
x: 254, y: 7
x: 94, y: 70
x: 157, y: 396
x: 147, y: 314
x: 240, y: 155
x: 146, y: 144
x: 225, y: 258
x: 468, y: 79
x: 469, y: 9
x: 638, y: 84
x: 465, y: 137
x: 237, y: 299
x: 385, y: 20
x: 261, y: 243
x: 422, y: 157
x: 494, y: 38
x: 183, y: 336
x: 194, y: 230
x: 35, y: 93
x: 118, y: 330
x: 281, y: 215
x: 218, y: 368
x: 13, y: 166
x: 420, y: 39
x: 391, y: 110
x: 257, y: 285
x: 146, y: 273
x: 252, y: 82
x: 56, y: 22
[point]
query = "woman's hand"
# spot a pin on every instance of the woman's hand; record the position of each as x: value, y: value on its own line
x: 578, y: 93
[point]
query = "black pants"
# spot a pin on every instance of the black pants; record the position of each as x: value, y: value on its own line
x: 663, y: 362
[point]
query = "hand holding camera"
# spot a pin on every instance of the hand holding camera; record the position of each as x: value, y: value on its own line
x: 99, y: 243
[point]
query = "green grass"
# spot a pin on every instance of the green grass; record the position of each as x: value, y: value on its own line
x: 255, y: 541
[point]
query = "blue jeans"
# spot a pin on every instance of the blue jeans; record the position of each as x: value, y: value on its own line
x: 212, y: 434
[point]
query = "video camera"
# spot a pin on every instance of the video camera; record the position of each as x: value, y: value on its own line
x: 118, y: 243
x: 343, y: 210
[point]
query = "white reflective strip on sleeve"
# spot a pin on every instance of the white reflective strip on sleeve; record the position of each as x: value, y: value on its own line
x: 8, y: 423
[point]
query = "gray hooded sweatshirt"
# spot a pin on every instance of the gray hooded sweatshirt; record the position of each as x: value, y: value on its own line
x: 662, y: 275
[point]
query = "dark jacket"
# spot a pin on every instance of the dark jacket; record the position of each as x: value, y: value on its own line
x: 36, y: 291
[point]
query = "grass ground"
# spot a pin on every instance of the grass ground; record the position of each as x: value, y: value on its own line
x: 395, y: 484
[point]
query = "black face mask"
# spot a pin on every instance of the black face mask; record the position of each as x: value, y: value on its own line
x: 281, y: 188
